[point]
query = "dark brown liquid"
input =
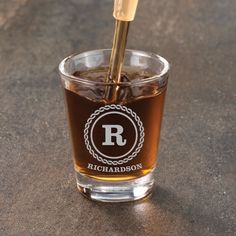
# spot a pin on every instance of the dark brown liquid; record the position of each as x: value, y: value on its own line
x: 147, y: 102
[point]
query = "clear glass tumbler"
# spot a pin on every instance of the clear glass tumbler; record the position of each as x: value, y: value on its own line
x: 114, y: 127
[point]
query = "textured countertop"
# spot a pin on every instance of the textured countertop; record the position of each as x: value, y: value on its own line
x: 195, y: 180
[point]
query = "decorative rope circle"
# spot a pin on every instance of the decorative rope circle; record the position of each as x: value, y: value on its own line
x: 120, y: 108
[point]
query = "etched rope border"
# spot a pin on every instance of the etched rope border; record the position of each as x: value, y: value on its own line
x: 107, y: 108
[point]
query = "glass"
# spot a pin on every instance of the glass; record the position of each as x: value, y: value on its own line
x: 114, y: 127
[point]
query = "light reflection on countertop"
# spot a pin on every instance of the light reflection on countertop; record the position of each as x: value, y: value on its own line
x: 8, y: 10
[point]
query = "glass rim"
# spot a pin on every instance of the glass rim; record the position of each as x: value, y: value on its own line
x: 162, y: 75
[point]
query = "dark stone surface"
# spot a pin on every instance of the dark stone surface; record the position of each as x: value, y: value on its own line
x: 195, y: 193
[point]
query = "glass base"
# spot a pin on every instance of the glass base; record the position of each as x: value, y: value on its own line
x: 108, y: 191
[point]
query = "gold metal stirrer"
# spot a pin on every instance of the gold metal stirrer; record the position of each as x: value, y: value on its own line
x: 124, y: 13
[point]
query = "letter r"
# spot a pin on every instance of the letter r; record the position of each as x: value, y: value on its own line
x: 109, y: 134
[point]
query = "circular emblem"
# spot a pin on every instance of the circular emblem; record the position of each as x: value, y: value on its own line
x: 114, y: 134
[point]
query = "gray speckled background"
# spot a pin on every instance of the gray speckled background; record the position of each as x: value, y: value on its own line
x: 195, y: 192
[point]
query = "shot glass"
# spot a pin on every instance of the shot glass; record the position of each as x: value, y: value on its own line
x: 114, y: 127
